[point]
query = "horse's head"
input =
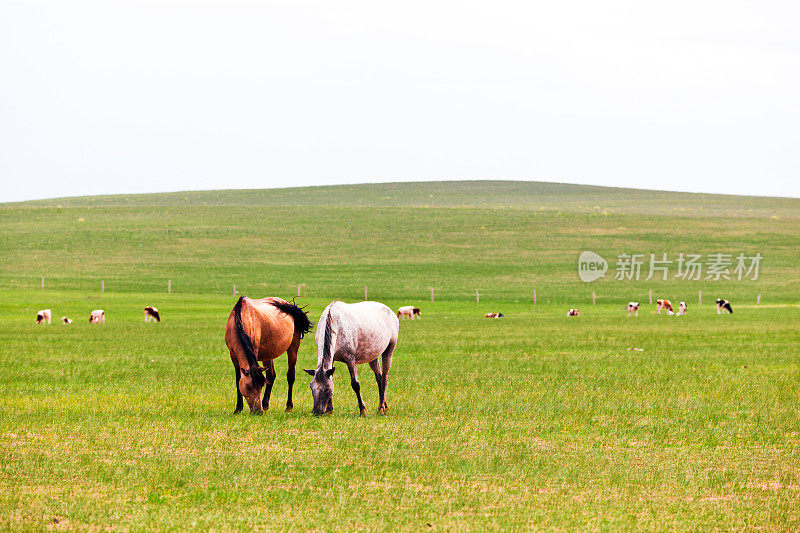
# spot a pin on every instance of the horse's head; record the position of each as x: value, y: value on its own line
x: 322, y: 390
x: 251, y: 382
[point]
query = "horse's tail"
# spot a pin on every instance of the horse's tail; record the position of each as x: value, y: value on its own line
x: 302, y: 324
x: 247, y: 345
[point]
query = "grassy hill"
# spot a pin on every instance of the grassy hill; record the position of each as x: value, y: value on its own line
x: 503, y: 238
x: 536, y: 421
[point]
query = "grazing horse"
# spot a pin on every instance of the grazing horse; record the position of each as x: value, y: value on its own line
x: 97, y: 316
x: 151, y: 313
x: 573, y: 312
x: 633, y: 307
x: 682, y: 308
x: 66, y: 320
x: 43, y: 316
x: 363, y: 332
x: 409, y: 311
x: 261, y: 330
x: 493, y: 315
x: 723, y: 306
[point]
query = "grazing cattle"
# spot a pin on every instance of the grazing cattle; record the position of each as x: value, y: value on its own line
x: 262, y: 330
x: 151, y: 313
x: 363, y: 332
x: 723, y: 306
x: 98, y: 316
x: 493, y: 315
x: 633, y: 307
x: 66, y: 320
x: 666, y: 305
x: 573, y: 312
x: 43, y: 316
x: 682, y: 309
x: 409, y: 311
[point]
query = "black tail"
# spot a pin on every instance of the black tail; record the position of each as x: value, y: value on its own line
x: 302, y: 324
x: 255, y: 371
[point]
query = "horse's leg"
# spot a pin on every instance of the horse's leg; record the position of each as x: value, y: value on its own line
x: 386, y: 364
x: 270, y: 380
x: 239, y: 403
x: 291, y: 353
x: 351, y: 366
x: 375, y: 365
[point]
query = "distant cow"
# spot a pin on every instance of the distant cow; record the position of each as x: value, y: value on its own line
x: 98, y: 316
x: 633, y: 307
x: 493, y: 315
x: 409, y: 311
x: 723, y: 306
x: 573, y: 312
x: 66, y: 320
x: 666, y: 305
x: 151, y: 313
x: 43, y: 316
x: 682, y: 309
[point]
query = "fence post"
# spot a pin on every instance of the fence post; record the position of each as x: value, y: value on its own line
x: 593, y: 297
x: 650, y: 295
x: 365, y: 292
x: 534, y: 296
x: 42, y: 282
x: 477, y: 297
x: 431, y: 294
x: 298, y: 289
x: 169, y: 286
x: 758, y: 299
x: 699, y: 297
x: 102, y: 286
x: 234, y: 289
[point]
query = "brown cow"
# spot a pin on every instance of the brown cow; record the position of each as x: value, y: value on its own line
x: 666, y: 305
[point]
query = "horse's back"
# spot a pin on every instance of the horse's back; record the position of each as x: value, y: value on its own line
x: 367, y: 328
x: 270, y: 330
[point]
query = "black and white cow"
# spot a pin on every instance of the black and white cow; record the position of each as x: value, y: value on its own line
x: 723, y: 306
x: 43, y: 316
x: 151, y: 313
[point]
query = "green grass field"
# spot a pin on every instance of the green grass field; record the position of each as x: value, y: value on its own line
x: 533, y: 421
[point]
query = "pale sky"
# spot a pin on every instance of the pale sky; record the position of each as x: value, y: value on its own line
x: 127, y: 97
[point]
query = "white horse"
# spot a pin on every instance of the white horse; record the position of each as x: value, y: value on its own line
x: 364, y: 332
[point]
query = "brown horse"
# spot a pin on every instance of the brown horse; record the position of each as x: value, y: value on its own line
x: 261, y: 330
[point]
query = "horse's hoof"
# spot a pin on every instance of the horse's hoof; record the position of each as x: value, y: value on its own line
x: 289, y: 408
x: 363, y: 413
x: 237, y: 411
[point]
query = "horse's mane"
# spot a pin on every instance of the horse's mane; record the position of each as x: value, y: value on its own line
x: 326, y: 343
x: 255, y: 371
x: 302, y: 324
